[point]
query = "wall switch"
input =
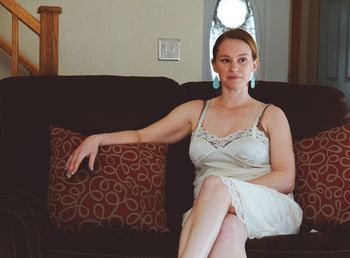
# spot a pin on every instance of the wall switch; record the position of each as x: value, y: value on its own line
x: 169, y: 49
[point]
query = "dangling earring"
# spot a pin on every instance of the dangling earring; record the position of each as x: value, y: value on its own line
x: 252, y: 81
x: 216, y: 83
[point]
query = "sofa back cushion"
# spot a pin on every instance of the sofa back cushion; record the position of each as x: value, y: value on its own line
x: 310, y: 109
x: 323, y: 178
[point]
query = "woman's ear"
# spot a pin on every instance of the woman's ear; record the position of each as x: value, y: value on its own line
x: 213, y: 65
x: 255, y: 64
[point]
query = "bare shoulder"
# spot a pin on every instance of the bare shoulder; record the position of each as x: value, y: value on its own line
x: 191, y: 107
x: 274, y: 117
x: 191, y: 111
x: 274, y: 111
x: 197, y: 103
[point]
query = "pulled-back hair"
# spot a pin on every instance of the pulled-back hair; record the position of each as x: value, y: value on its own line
x: 237, y: 33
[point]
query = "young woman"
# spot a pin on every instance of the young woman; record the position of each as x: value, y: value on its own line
x: 242, y: 151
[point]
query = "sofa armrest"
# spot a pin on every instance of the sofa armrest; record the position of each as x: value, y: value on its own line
x: 24, y: 224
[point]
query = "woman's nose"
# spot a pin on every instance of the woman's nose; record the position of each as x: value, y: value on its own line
x: 233, y: 67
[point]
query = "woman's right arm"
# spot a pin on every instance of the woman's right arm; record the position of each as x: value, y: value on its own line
x: 172, y: 128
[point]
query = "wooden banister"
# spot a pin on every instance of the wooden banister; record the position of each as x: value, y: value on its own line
x: 28, y: 19
x: 21, y: 58
x: 46, y: 29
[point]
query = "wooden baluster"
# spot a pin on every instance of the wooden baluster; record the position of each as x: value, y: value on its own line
x: 48, y: 61
x: 15, y: 45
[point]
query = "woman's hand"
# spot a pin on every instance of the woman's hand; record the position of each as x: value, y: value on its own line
x: 88, y: 148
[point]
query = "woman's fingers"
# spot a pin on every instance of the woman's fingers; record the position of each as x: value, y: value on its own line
x: 67, y: 168
x: 73, y: 162
x: 78, y: 158
x: 88, y: 148
x: 92, y: 160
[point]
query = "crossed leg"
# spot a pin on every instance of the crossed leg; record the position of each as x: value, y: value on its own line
x: 212, y: 229
x: 231, y: 239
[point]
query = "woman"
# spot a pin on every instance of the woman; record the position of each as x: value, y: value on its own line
x: 242, y: 150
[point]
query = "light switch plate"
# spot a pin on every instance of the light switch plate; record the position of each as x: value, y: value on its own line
x: 169, y: 49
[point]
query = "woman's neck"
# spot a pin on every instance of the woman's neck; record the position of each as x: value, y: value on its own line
x: 234, y: 98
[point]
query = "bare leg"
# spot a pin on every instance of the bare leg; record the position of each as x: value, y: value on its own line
x: 231, y: 240
x: 204, y: 223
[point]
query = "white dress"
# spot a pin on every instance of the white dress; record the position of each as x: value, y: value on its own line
x: 236, y: 158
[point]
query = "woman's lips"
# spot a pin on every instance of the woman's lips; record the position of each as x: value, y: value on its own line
x: 234, y: 77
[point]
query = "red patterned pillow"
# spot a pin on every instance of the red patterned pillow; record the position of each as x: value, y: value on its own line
x: 323, y: 178
x: 126, y: 190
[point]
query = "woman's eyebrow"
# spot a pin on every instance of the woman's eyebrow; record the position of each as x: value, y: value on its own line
x: 240, y: 55
x: 244, y: 54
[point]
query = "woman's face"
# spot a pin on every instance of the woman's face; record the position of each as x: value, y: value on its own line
x: 234, y: 63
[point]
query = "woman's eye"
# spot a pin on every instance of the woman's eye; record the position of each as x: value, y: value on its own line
x: 225, y: 60
x: 242, y: 60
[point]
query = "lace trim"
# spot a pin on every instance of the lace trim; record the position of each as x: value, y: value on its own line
x: 221, y: 142
x: 236, y: 199
x: 237, y: 204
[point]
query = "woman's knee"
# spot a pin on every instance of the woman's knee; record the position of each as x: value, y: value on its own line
x: 213, y: 184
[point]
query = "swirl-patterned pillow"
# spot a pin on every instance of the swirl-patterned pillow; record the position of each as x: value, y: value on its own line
x: 323, y: 178
x: 126, y: 190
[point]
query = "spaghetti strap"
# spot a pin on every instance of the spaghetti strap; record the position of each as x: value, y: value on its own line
x: 201, y: 119
x: 260, y: 114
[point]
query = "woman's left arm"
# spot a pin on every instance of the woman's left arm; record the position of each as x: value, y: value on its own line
x: 282, y: 175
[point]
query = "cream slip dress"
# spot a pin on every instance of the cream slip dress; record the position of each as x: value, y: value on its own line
x: 236, y: 158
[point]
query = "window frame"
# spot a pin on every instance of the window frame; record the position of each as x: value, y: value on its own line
x: 209, y: 9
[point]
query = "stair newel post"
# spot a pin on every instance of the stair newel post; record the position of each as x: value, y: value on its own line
x: 48, y: 61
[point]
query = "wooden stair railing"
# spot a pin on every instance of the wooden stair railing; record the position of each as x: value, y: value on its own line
x: 46, y: 29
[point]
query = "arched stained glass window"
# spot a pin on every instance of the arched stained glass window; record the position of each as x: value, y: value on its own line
x: 231, y: 14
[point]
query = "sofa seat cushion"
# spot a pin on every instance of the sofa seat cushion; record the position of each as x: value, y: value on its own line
x: 126, y: 190
x: 323, y: 178
x: 112, y: 244
x: 147, y: 245
x: 303, y: 245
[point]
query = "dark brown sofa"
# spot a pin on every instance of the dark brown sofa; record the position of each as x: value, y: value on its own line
x: 93, y: 104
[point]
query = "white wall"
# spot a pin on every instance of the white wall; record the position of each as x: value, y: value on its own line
x: 121, y: 37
